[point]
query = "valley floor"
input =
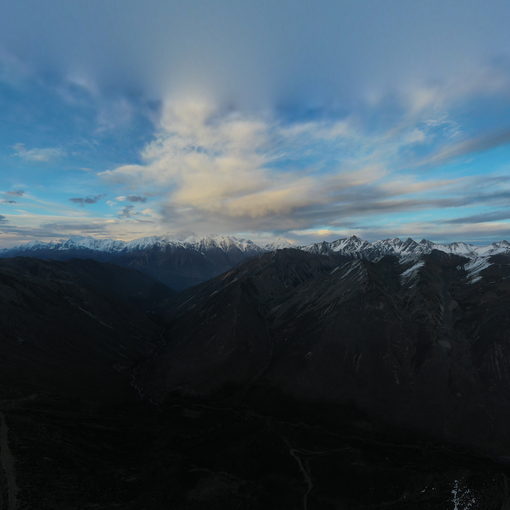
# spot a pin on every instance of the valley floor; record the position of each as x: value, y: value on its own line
x: 193, y: 455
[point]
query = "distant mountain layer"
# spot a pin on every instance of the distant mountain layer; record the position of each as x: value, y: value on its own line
x: 184, y: 263
x: 178, y: 264
x: 76, y: 326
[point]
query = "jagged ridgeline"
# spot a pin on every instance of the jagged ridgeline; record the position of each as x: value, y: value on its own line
x: 184, y: 263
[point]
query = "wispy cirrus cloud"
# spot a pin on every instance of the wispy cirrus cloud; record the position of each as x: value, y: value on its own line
x: 132, y: 198
x: 485, y: 217
x: 470, y: 146
x: 40, y: 155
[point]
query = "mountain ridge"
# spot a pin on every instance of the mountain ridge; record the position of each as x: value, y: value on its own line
x: 184, y: 263
x: 345, y: 245
x: 420, y: 344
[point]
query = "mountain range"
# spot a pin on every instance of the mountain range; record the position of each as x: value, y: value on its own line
x: 337, y: 375
x: 184, y: 263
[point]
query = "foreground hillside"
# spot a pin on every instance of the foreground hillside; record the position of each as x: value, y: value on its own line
x: 295, y: 380
x: 420, y: 343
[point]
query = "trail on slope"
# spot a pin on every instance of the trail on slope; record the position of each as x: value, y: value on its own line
x: 7, y: 463
x: 294, y: 452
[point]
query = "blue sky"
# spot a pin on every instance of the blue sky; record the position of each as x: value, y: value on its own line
x: 303, y: 120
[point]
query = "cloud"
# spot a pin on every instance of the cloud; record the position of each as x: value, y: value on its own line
x: 15, y: 193
x: 227, y: 171
x: 126, y: 212
x: 471, y: 146
x: 17, y: 228
x: 220, y: 162
x: 13, y: 235
x: 259, y: 129
x: 239, y: 54
x: 41, y: 155
x: 3, y: 219
x: 132, y: 198
x: 482, y: 217
x: 86, y: 200
x: 70, y: 228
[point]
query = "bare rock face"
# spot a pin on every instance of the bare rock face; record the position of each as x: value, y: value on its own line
x: 421, y: 344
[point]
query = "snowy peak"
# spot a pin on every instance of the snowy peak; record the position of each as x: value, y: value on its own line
x: 73, y: 243
x: 202, y: 244
x: 280, y: 244
x: 224, y: 243
x: 406, y: 249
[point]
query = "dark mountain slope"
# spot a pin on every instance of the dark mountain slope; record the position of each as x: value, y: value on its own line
x: 72, y: 327
x: 72, y: 426
x: 296, y: 364
x: 418, y: 344
x: 220, y: 330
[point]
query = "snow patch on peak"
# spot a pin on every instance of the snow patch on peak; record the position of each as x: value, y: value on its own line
x: 280, y: 243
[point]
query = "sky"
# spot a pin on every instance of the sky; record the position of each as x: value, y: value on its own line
x: 261, y: 119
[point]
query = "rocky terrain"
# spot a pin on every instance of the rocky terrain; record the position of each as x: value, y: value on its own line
x: 184, y: 263
x: 300, y: 379
x: 421, y: 344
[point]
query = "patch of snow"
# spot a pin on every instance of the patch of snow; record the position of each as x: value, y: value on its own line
x: 410, y: 274
x: 462, y: 497
x: 474, y: 267
x: 355, y: 270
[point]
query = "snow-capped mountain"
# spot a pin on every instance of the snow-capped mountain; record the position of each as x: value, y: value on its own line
x: 411, y: 252
x: 224, y: 243
x: 177, y: 263
x: 353, y: 246
x: 407, y: 249
x: 185, y: 262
